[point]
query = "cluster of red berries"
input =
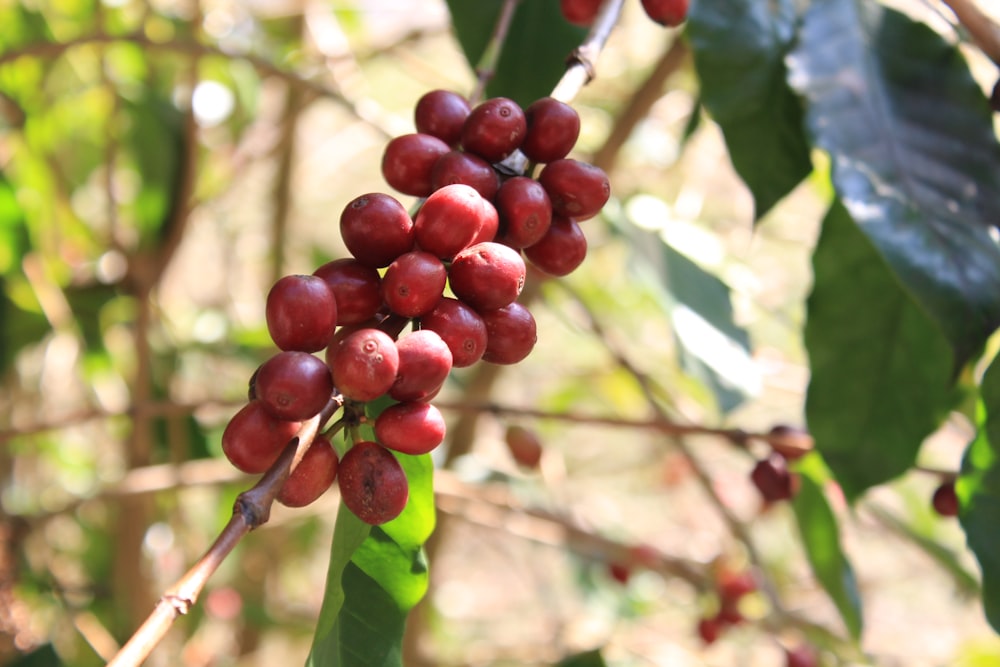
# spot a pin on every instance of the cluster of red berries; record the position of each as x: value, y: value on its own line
x: 669, y: 13
x: 771, y: 475
x: 420, y: 295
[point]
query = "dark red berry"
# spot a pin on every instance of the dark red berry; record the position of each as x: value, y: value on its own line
x: 413, y: 283
x: 525, y: 211
x: 773, y: 479
x: 450, y: 220
x: 312, y: 477
x: 732, y: 585
x: 511, y: 334
x: 524, y: 445
x: 670, y: 13
x: 620, y: 572
x: 791, y: 442
x: 376, y: 229
x: 356, y: 288
x: 709, y: 629
x: 467, y: 169
x: 494, y: 129
x: 579, y: 12
x: 364, y: 364
x: 801, y: 655
x: 408, y: 161
x: 442, y: 113
x: 254, y: 438
x: 460, y: 327
x: 410, y: 428
x: 487, y: 276
x: 301, y: 313
x: 424, y: 364
x: 578, y: 190
x: 945, y: 500
x: 293, y: 385
x: 372, y: 483
x: 561, y: 250
x: 553, y: 128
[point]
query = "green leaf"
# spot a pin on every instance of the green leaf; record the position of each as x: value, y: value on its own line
x: 533, y: 57
x: 914, y: 156
x: 586, y: 659
x: 821, y: 540
x: 881, y: 370
x: 739, y: 48
x: 44, y: 656
x: 978, y: 489
x: 376, y: 575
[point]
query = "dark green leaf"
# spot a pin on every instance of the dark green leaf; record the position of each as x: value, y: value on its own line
x: 739, y: 49
x: 19, y: 327
x: 534, y: 55
x: 915, y: 158
x: 821, y: 540
x: 585, y: 659
x: 44, y: 656
x: 979, y: 492
x: 881, y: 370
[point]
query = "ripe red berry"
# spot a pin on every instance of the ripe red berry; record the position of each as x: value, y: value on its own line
x: 364, y: 364
x: 561, y: 250
x: 467, y: 169
x: 293, y: 386
x: 442, y: 113
x: 376, y: 229
x: 801, y: 655
x: 301, y: 313
x: 620, y: 572
x: 773, y: 479
x: 450, y: 220
x: 709, y: 629
x: 356, y: 288
x: 408, y: 161
x: 525, y: 211
x: 945, y: 500
x: 460, y: 327
x: 424, y: 364
x: 553, y: 128
x: 670, y: 13
x: 487, y: 276
x: 511, y: 334
x: 413, y: 283
x: 312, y: 477
x: 411, y: 427
x: 372, y: 483
x: 254, y: 438
x: 732, y: 585
x: 578, y: 190
x: 579, y: 12
x: 524, y: 445
x: 494, y: 129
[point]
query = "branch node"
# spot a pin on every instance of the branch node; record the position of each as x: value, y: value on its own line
x: 180, y: 604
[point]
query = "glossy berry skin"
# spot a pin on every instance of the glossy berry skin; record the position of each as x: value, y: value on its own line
x: 372, y: 483
x: 511, y: 334
x: 579, y: 12
x: 413, y: 283
x: 410, y: 428
x: 487, y: 276
x: 553, y: 128
x: 293, y: 385
x: 468, y: 169
x: 578, y: 190
x: 561, y: 250
x: 313, y: 475
x: 355, y: 287
x: 669, y: 13
x: 524, y: 445
x: 494, y: 129
x: 525, y: 211
x: 301, y: 313
x: 460, y: 327
x: 441, y: 113
x: 254, y: 438
x: 364, y: 364
x: 945, y: 500
x: 376, y: 229
x: 450, y: 220
x: 408, y: 160
x: 773, y: 479
x: 424, y: 364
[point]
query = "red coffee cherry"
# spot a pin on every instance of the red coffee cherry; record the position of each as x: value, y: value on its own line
x: 442, y: 113
x: 364, y: 364
x: 494, y: 129
x: 312, y: 477
x: 301, y: 313
x: 293, y: 386
x: 424, y: 364
x: 356, y: 288
x: 372, y: 483
x: 376, y: 229
x: 578, y: 190
x: 467, y: 169
x: 670, y: 13
x: 945, y: 500
x: 709, y: 629
x: 561, y: 250
x: 408, y: 161
x: 410, y: 428
x: 773, y: 479
x: 580, y: 12
x: 525, y: 211
x: 413, y: 283
x: 553, y: 128
x: 460, y: 327
x: 487, y: 276
x: 450, y: 220
x: 511, y: 334
x: 254, y: 438
x: 801, y: 655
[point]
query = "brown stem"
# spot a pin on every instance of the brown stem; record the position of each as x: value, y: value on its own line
x: 983, y: 30
x: 582, y: 66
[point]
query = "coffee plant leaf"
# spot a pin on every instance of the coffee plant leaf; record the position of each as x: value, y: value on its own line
x: 592, y: 658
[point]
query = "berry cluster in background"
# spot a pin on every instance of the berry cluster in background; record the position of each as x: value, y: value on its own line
x: 422, y: 293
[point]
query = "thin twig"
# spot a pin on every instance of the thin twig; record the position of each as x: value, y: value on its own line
x: 984, y: 31
x: 583, y: 62
x: 487, y: 65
